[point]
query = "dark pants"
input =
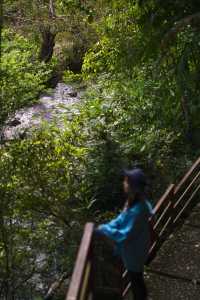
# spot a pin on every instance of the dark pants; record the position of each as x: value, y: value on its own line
x: 138, y: 285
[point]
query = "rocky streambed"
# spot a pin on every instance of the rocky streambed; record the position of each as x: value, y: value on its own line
x: 49, y: 108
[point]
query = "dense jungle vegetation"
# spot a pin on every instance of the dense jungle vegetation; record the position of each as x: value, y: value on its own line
x: 140, y: 63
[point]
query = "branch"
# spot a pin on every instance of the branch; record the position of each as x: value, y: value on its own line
x: 52, y: 13
x: 56, y: 285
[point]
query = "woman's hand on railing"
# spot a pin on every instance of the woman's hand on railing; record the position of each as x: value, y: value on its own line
x: 103, y: 237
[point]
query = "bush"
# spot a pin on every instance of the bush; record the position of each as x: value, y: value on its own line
x: 22, y: 75
x: 70, y: 77
x: 42, y: 189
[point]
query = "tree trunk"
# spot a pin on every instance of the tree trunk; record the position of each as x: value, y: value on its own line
x: 187, y: 118
x: 48, y: 43
x: 51, y: 9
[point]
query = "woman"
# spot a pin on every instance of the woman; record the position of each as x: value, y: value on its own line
x: 130, y: 230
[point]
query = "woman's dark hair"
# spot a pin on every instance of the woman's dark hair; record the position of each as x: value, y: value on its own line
x: 136, y: 179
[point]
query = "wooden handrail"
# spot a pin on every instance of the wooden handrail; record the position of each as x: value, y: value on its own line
x: 187, y: 203
x: 164, y: 198
x: 172, y: 206
x: 188, y: 188
x: 166, y: 213
x: 187, y: 175
x: 81, y: 263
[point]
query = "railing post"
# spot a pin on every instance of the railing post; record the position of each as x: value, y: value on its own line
x: 168, y: 197
x: 172, y: 211
x: 80, y: 281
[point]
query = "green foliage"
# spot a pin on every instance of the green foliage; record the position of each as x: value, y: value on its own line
x: 127, y: 131
x: 42, y: 194
x: 143, y: 44
x: 70, y: 77
x: 22, y: 75
x: 141, y: 108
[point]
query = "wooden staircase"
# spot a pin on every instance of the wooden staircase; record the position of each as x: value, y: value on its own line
x: 169, y: 212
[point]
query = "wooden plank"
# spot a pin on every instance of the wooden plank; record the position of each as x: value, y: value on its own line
x: 164, y: 227
x: 161, y: 233
x: 166, y: 213
x: 126, y: 290
x: 163, y: 219
x: 125, y: 274
x: 163, y: 200
x: 187, y: 175
x: 81, y: 261
x: 86, y: 278
x: 152, y: 248
x: 186, y: 204
x: 125, y: 280
x: 187, y: 189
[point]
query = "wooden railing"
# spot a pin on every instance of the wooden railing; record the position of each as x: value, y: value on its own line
x: 81, y: 287
x: 173, y: 205
x: 170, y: 210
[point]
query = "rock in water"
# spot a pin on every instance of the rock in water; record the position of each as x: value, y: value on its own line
x: 72, y: 94
x: 14, y: 122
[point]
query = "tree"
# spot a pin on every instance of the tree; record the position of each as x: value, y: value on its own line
x: 173, y: 36
x: 23, y: 76
x: 43, y: 20
x: 161, y: 41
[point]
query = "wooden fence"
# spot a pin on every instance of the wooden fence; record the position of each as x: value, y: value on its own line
x: 171, y: 209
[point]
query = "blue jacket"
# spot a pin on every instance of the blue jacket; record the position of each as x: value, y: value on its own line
x: 131, y: 234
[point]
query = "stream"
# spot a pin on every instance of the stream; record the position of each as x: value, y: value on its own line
x: 51, y: 107
x: 48, y: 108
